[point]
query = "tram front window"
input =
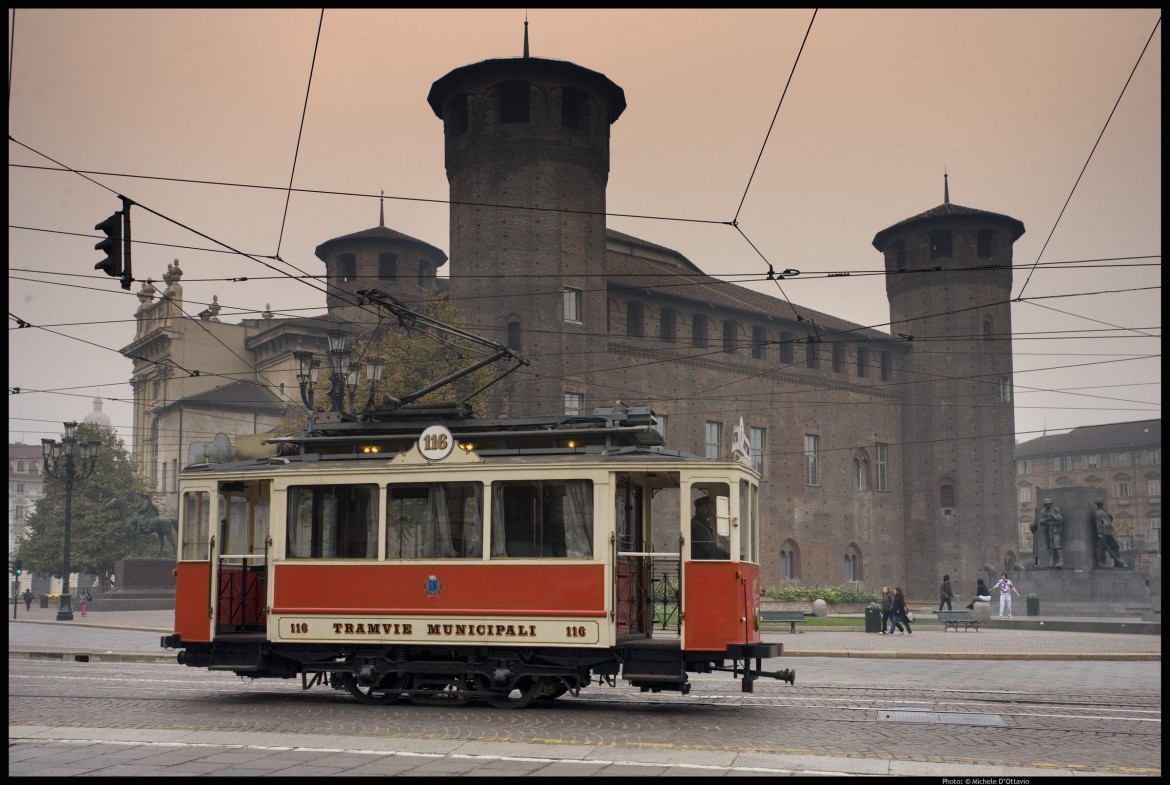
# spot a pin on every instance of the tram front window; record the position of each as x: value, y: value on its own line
x: 709, y: 535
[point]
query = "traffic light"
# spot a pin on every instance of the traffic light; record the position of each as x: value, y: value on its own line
x: 112, y: 246
x: 16, y: 568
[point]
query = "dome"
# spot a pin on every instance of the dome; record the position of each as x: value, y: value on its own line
x: 97, y: 416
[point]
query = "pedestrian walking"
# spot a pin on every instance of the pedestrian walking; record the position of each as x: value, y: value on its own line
x: 945, y: 593
x: 888, y: 612
x: 1006, y: 589
x: 28, y: 598
x: 901, y: 614
x: 86, y: 599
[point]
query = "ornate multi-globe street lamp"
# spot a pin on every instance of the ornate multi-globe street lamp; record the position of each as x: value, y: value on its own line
x: 68, y: 461
x: 343, y: 378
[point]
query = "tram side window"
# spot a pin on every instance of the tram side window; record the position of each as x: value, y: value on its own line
x: 196, y: 525
x: 543, y: 518
x: 437, y: 520
x: 748, y: 526
x: 333, y: 522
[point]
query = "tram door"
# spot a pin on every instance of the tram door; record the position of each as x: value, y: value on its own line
x: 242, y: 556
x: 632, y: 597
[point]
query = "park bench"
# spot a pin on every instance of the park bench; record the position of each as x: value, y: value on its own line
x: 791, y: 618
x: 952, y: 619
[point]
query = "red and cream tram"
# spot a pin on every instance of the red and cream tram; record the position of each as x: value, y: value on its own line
x: 435, y: 556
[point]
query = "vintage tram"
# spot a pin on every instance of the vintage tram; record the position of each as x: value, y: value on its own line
x: 429, y: 555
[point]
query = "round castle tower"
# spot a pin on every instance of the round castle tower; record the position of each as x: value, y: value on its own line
x: 949, y: 282
x: 377, y: 258
x: 527, y: 158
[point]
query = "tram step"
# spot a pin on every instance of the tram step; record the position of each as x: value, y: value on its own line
x: 227, y: 666
x: 662, y: 677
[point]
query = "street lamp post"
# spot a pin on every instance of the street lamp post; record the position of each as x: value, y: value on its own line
x: 343, y: 377
x: 61, y: 460
x: 339, y: 375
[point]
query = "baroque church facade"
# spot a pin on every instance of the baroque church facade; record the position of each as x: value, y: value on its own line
x: 886, y: 458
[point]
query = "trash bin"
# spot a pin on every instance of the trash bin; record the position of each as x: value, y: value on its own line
x: 44, y: 600
x: 1033, y: 605
x: 873, y: 617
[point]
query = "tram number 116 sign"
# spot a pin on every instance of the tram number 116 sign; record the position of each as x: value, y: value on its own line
x: 435, y: 443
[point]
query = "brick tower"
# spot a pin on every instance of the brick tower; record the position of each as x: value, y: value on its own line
x: 949, y: 281
x: 527, y: 158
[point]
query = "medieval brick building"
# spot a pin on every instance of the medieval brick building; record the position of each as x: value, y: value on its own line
x: 885, y: 457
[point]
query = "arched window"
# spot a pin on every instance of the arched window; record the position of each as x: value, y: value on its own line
x: 887, y: 360
x: 861, y: 472
x: 456, y: 118
x: 668, y: 325
x: 789, y: 561
x: 862, y: 362
x: 1005, y: 389
x: 940, y: 244
x: 787, y: 341
x: 346, y: 267
x: 898, y: 252
x: 852, y: 565
x: 514, y: 336
x: 946, y: 496
x: 810, y: 354
x: 987, y: 329
x: 838, y: 357
x: 730, y: 335
x: 983, y: 242
x: 635, y: 319
x: 388, y: 266
x: 426, y: 272
x: 573, y: 106
x: 513, y: 101
x: 699, y: 331
x: 759, y: 338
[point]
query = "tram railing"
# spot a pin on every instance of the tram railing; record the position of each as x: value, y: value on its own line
x: 649, y: 600
x: 241, y: 593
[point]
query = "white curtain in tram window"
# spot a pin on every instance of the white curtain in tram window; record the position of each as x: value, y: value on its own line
x: 438, y: 525
x: 473, y: 525
x: 499, y: 548
x: 579, y: 519
x: 295, y: 522
x: 372, y: 522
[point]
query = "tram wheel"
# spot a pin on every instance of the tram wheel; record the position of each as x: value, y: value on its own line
x: 376, y: 694
x: 526, y: 690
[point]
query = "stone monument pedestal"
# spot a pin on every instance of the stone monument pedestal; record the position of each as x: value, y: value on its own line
x: 982, y: 611
x: 140, y: 585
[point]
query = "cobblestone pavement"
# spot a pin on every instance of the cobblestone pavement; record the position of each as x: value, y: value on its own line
x: 824, y: 658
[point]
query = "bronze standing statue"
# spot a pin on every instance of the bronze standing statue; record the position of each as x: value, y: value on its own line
x: 1050, y: 521
x: 1107, y: 545
x: 146, y: 520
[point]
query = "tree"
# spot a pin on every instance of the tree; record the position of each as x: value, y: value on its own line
x: 98, y: 536
x: 412, y: 360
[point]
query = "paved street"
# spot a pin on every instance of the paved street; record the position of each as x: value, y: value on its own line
x: 999, y: 659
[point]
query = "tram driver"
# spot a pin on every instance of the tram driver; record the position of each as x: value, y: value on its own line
x: 704, y: 540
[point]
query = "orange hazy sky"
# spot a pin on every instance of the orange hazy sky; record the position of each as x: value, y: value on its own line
x: 1050, y: 116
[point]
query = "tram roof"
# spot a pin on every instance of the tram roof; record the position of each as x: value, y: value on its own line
x: 619, y: 433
